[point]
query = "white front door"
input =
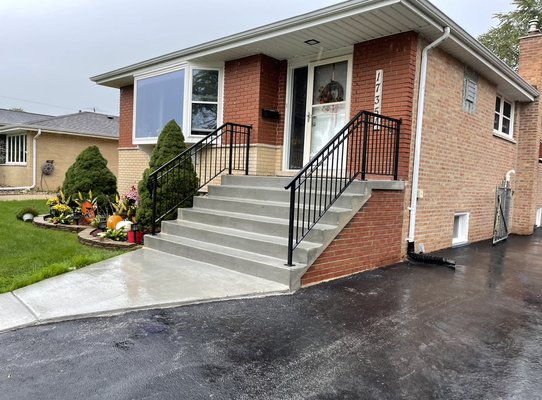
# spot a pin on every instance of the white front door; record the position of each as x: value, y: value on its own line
x: 327, y: 107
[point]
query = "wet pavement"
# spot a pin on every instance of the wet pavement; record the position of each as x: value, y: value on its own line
x: 407, y: 331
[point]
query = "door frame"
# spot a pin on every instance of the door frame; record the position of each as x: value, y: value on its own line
x: 337, y: 56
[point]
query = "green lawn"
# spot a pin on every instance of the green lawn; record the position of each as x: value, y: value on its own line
x: 29, y: 254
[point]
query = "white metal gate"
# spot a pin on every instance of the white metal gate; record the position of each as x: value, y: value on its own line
x: 503, y: 198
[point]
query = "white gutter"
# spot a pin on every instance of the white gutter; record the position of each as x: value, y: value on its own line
x: 419, y: 131
x: 34, y: 167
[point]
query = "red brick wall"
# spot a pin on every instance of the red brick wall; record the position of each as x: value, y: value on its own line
x: 461, y: 160
x: 529, y: 171
x: 126, y: 116
x: 371, y: 239
x: 281, y: 100
x: 396, y: 55
x: 250, y: 84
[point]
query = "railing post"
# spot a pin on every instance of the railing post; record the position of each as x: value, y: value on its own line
x: 231, y: 149
x: 153, y: 195
x: 397, y: 137
x: 289, y: 262
x: 248, y: 150
x: 365, y: 144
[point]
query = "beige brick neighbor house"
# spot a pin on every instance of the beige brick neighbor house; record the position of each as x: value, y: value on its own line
x: 36, y: 150
x: 446, y: 123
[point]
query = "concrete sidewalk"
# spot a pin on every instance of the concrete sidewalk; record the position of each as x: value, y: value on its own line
x: 141, y: 279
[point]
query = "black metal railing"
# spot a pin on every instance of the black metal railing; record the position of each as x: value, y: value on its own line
x: 368, y: 145
x: 225, y: 149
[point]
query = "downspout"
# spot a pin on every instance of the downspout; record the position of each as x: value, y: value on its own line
x: 417, y: 155
x: 34, y: 167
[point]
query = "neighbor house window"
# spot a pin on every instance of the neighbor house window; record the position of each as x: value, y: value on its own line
x: 159, y: 99
x: 504, y: 111
x: 13, y: 149
x: 461, y: 229
x: 204, y: 101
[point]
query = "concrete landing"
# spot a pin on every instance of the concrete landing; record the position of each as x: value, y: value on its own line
x: 140, y: 279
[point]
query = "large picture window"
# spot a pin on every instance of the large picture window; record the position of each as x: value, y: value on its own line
x: 13, y: 149
x: 204, y: 101
x: 190, y: 96
x: 504, y: 117
x: 159, y: 100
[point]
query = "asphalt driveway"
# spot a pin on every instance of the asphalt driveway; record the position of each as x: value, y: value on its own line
x: 407, y: 331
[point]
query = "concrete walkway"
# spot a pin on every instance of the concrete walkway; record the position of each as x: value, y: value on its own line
x: 141, y: 279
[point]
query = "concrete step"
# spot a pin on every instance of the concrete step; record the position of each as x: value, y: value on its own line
x: 272, y: 246
x: 253, y: 223
x: 279, y: 182
x: 256, y: 181
x: 242, y: 225
x: 259, y: 265
x: 266, y: 208
x: 346, y: 200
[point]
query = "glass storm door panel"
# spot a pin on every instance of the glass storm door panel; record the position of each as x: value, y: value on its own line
x: 327, y: 105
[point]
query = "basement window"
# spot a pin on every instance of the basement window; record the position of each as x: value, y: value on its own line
x: 538, y: 221
x: 461, y: 229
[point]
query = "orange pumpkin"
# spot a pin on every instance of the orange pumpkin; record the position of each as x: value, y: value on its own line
x: 113, y: 220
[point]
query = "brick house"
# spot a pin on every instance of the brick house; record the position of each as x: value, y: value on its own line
x: 36, y: 150
x: 467, y: 121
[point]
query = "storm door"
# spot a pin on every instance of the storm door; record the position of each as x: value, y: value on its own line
x: 327, y: 106
x: 320, y: 107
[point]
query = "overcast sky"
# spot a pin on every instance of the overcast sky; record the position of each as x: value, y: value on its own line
x: 50, y: 48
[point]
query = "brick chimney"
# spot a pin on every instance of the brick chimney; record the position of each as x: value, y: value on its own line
x: 528, y: 184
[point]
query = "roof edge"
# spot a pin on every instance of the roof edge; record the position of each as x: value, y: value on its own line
x: 424, y: 8
x: 268, y: 29
x: 462, y: 37
x: 26, y: 128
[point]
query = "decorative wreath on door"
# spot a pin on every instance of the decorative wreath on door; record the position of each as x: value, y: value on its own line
x: 331, y: 93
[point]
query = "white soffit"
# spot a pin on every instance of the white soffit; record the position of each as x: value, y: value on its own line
x: 342, y: 26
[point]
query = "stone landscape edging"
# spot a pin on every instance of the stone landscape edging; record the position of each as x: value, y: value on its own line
x: 84, y: 234
x: 86, y: 237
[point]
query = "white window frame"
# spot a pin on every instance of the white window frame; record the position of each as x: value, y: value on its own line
x: 347, y: 52
x: 10, y: 139
x: 538, y: 219
x: 219, y: 103
x: 463, y: 232
x: 187, y: 98
x: 499, y: 132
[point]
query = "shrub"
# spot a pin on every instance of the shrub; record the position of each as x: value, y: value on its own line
x: 89, y: 172
x: 26, y: 210
x: 170, y: 144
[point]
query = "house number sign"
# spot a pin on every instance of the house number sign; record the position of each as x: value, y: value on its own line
x: 378, y: 97
x: 378, y: 91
